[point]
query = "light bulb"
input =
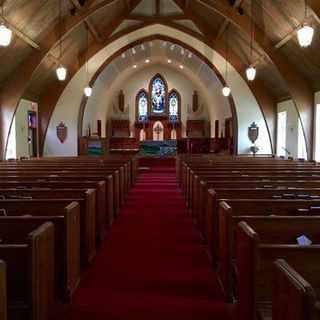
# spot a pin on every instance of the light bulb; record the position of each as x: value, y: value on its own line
x: 61, y: 73
x: 305, y: 35
x: 5, y: 36
x: 226, y: 91
x: 251, y: 73
x: 88, y: 91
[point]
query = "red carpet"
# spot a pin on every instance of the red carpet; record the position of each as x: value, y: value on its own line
x: 152, y: 265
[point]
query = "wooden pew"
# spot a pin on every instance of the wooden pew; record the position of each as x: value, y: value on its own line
x: 53, y: 207
x: 67, y: 244
x: 3, y: 291
x: 209, y: 216
x: 293, y: 297
x: 30, y: 273
x: 87, y: 195
x: 253, y: 207
x: 102, y: 196
x: 228, y: 224
x: 195, y: 188
x: 112, y: 197
x: 256, y: 252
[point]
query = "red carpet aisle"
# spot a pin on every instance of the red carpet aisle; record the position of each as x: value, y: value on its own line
x: 152, y: 266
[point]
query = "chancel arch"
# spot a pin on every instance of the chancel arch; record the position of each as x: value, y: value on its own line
x: 241, y: 93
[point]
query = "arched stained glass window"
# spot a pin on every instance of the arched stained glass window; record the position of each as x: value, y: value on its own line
x: 174, y: 106
x: 158, y: 95
x: 142, y: 106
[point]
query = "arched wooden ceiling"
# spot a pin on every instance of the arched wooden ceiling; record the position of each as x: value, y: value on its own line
x: 284, y: 68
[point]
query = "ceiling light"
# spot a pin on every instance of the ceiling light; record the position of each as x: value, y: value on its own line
x: 61, y: 73
x: 147, y: 61
x: 169, y: 61
x: 226, y: 91
x: 88, y: 91
x: 305, y: 35
x: 5, y: 36
x: 251, y: 73
x: 134, y: 66
x: 181, y: 66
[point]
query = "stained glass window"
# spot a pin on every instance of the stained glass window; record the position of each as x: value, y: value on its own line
x: 173, y: 106
x: 158, y: 95
x: 142, y: 106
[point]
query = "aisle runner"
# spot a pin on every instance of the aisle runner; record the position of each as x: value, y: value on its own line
x: 152, y: 265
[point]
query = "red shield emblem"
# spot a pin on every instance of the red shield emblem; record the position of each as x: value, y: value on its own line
x: 62, y: 131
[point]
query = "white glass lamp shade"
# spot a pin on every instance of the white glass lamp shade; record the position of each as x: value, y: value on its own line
x: 5, y: 36
x: 226, y: 91
x: 88, y: 91
x: 305, y: 35
x: 61, y: 73
x: 251, y: 73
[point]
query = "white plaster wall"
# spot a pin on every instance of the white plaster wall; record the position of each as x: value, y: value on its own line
x: 68, y: 105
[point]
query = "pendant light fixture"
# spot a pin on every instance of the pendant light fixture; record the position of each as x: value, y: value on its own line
x: 5, y: 32
x: 226, y: 90
x: 306, y: 32
x: 87, y: 90
x: 61, y: 70
x: 251, y: 70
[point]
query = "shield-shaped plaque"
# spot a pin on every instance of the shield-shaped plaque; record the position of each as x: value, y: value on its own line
x: 195, y: 101
x: 62, y: 131
x: 253, y: 132
x: 121, y: 101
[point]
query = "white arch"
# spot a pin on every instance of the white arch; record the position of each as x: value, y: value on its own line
x: 68, y: 104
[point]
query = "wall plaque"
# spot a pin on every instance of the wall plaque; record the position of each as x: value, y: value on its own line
x: 253, y: 132
x: 62, y: 132
x: 121, y: 101
x: 195, y: 101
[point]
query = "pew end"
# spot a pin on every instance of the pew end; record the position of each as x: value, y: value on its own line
x: 293, y: 297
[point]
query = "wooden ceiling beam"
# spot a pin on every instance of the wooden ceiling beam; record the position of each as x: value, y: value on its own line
x: 141, y: 17
x: 315, y: 6
x: 92, y: 29
x: 226, y: 23
x: 118, y: 20
x: 21, y: 35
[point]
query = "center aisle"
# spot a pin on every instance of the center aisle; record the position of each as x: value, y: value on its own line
x: 152, y: 265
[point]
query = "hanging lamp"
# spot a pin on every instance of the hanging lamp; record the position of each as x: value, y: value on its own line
x: 87, y: 90
x: 61, y: 71
x: 251, y: 70
x: 5, y: 32
x: 226, y: 89
x: 306, y: 32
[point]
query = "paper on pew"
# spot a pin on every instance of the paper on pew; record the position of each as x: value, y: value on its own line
x: 304, y: 241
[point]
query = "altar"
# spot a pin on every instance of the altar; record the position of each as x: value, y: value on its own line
x: 158, y: 149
